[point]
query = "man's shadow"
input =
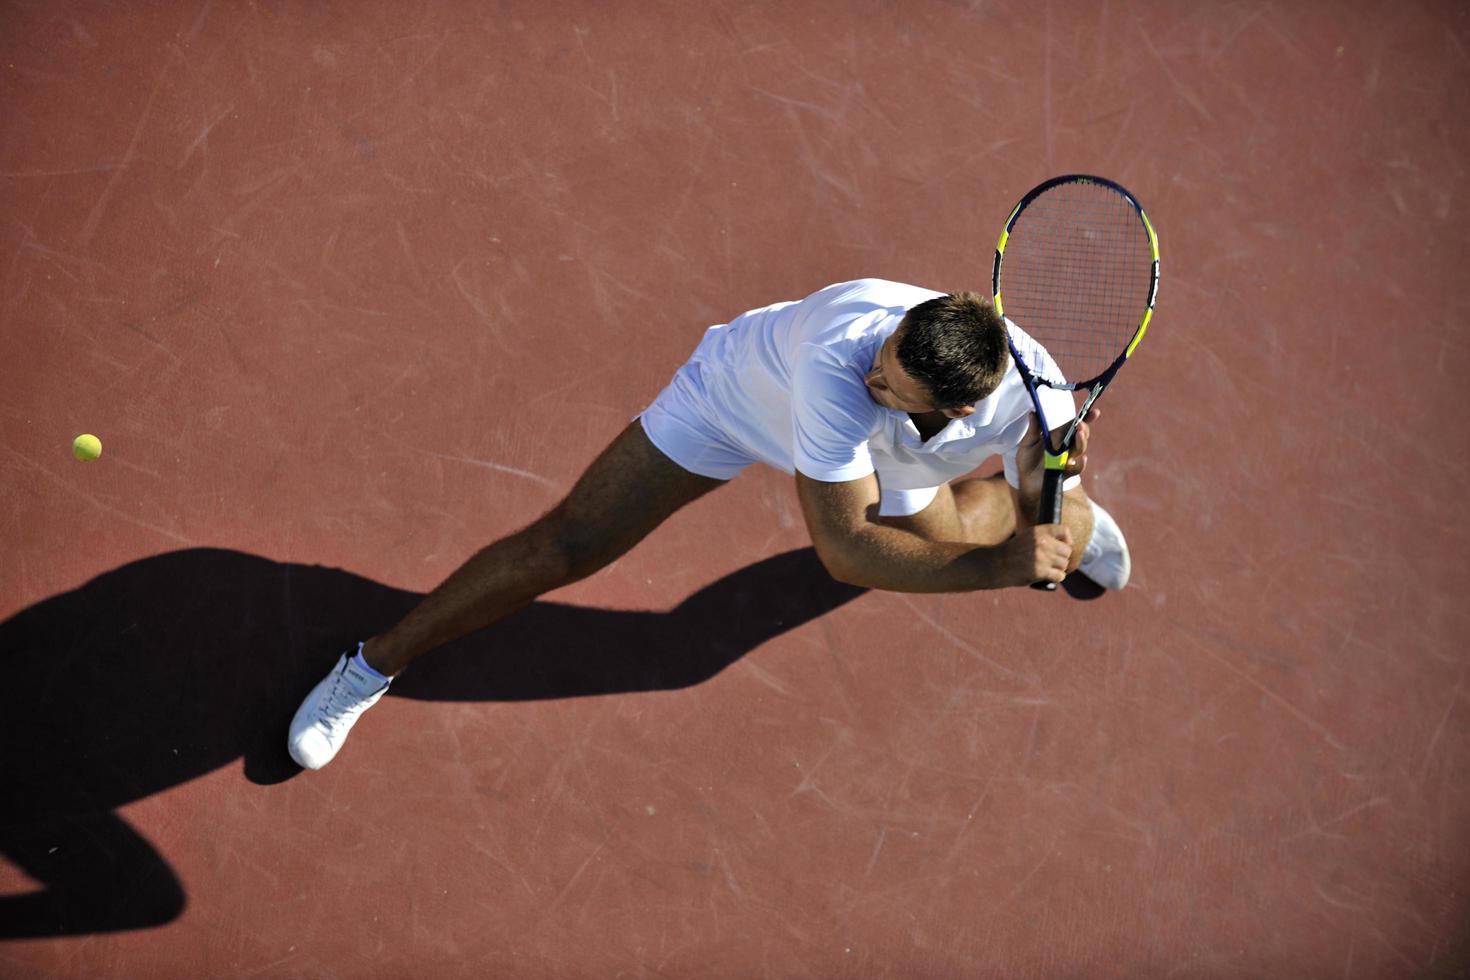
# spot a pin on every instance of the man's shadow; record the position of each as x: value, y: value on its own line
x: 168, y: 668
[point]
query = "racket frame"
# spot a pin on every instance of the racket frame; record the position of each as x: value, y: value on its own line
x: 1056, y: 454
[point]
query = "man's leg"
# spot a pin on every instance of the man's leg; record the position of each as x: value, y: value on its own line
x: 627, y: 491
x: 972, y: 511
x: 982, y: 512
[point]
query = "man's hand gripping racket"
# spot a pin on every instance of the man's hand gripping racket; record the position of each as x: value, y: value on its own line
x: 1076, y: 274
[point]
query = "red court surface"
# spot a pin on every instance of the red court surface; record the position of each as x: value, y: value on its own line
x: 349, y: 290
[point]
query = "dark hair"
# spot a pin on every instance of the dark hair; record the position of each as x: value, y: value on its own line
x: 955, y: 346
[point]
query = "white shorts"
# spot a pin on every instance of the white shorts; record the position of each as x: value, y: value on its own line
x: 685, y: 428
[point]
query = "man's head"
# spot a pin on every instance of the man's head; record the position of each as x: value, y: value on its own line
x: 948, y: 353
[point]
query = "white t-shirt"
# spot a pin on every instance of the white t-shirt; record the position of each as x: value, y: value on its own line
x: 787, y: 382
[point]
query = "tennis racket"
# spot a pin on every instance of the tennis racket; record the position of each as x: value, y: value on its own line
x: 1077, y: 269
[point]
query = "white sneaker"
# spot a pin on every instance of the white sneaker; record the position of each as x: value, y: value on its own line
x: 1105, y: 559
x: 330, y: 710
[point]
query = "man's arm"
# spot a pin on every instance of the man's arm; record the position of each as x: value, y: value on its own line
x: 1076, y: 518
x: 1076, y: 514
x: 856, y: 549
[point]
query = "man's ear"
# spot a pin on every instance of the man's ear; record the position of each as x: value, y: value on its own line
x: 959, y: 413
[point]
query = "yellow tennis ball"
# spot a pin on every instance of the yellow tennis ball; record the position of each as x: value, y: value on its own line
x: 86, y: 447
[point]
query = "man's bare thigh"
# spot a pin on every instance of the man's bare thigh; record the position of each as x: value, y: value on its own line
x: 939, y: 521
x: 976, y: 511
x: 631, y: 488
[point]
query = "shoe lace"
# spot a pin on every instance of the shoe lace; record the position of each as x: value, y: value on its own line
x: 342, y: 707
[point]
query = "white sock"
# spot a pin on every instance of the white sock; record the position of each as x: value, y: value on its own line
x: 365, y: 668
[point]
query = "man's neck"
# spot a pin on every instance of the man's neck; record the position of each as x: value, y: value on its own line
x: 929, y: 424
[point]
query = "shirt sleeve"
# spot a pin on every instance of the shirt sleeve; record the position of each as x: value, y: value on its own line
x: 831, y: 416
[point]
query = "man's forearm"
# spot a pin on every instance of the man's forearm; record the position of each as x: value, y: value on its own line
x: 860, y: 551
x: 880, y: 557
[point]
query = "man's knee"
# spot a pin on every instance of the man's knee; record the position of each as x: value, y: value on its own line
x: 572, y: 545
x: 578, y: 546
x: 984, y: 509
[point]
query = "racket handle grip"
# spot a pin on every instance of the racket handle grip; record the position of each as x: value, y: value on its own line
x: 1050, y: 512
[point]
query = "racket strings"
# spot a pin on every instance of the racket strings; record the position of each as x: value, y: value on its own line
x: 1076, y: 275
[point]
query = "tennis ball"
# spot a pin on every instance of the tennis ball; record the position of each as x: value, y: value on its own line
x: 86, y: 447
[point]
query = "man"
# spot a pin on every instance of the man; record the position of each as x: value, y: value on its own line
x: 874, y: 394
